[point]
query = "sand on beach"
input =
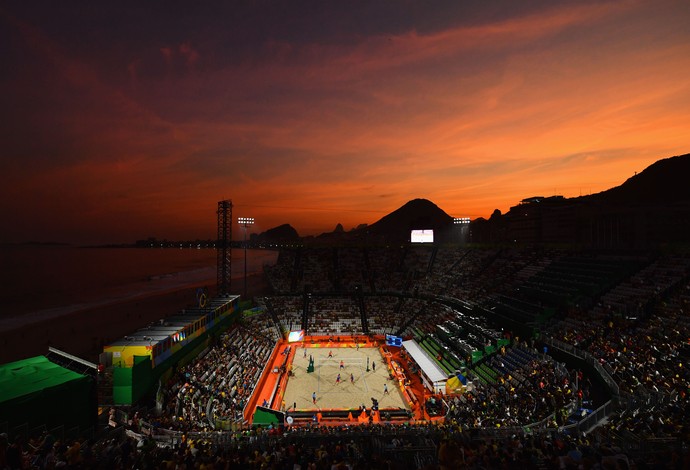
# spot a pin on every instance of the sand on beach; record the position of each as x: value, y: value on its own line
x: 83, y: 333
x: 368, y: 383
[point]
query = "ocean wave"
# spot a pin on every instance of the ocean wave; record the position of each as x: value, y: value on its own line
x: 154, y: 286
x: 152, y: 279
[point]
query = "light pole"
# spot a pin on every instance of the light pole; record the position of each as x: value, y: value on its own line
x: 246, y: 222
x: 463, y: 223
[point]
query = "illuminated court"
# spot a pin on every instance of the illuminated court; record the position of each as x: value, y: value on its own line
x: 357, y: 386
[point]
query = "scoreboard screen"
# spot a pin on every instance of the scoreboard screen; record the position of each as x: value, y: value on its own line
x: 296, y: 336
x: 393, y: 341
x: 422, y: 236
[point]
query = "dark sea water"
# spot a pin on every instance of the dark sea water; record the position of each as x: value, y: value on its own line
x: 47, y: 281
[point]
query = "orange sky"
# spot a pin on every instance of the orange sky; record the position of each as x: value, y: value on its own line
x: 120, y: 125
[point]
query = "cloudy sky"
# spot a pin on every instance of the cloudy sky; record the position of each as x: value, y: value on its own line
x: 127, y: 120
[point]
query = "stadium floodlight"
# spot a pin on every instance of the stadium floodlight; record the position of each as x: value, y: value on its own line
x: 462, y: 225
x: 246, y: 222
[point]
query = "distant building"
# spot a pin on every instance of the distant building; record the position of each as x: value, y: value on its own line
x: 589, y: 223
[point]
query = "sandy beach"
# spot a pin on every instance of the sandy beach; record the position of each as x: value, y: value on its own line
x: 84, y: 332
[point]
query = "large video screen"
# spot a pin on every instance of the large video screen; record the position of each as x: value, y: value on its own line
x: 393, y: 340
x: 422, y: 236
x: 295, y: 336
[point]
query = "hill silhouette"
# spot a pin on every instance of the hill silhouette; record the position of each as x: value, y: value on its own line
x: 394, y: 227
x: 614, y: 217
x: 282, y: 234
x: 415, y: 214
x: 663, y: 182
x: 650, y: 209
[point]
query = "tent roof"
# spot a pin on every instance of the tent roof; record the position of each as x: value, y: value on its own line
x: 426, y: 363
x: 32, y: 375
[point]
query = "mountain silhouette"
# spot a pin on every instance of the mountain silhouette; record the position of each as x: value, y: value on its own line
x: 663, y: 182
x: 415, y: 214
x: 282, y: 234
x: 649, y: 208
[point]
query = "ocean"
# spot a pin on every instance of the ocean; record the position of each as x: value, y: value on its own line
x: 45, y: 281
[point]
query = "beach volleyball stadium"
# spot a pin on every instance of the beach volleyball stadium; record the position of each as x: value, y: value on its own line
x: 375, y: 355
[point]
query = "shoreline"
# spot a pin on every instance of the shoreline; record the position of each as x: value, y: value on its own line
x: 84, y: 332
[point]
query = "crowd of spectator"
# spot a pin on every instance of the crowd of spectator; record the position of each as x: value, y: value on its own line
x: 386, y: 314
x: 637, y: 329
x: 531, y: 387
x: 428, y: 446
x: 216, y: 386
x: 634, y: 324
x: 351, y: 272
x: 288, y: 310
x: 334, y: 316
x: 316, y: 271
x: 387, y: 273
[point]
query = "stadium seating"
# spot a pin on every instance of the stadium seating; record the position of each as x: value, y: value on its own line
x: 628, y: 313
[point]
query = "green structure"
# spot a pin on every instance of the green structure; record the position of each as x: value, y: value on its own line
x: 310, y: 367
x: 264, y: 416
x: 130, y: 384
x: 36, y: 392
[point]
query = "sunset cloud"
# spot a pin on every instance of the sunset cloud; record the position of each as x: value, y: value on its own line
x: 319, y: 117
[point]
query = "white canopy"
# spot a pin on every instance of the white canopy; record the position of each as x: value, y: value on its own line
x: 425, y: 362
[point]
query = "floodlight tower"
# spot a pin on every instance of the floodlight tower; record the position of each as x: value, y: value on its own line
x: 223, y: 247
x: 463, y: 224
x: 246, y: 222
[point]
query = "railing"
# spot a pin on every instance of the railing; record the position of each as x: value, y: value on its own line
x: 589, y: 359
x: 596, y: 416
